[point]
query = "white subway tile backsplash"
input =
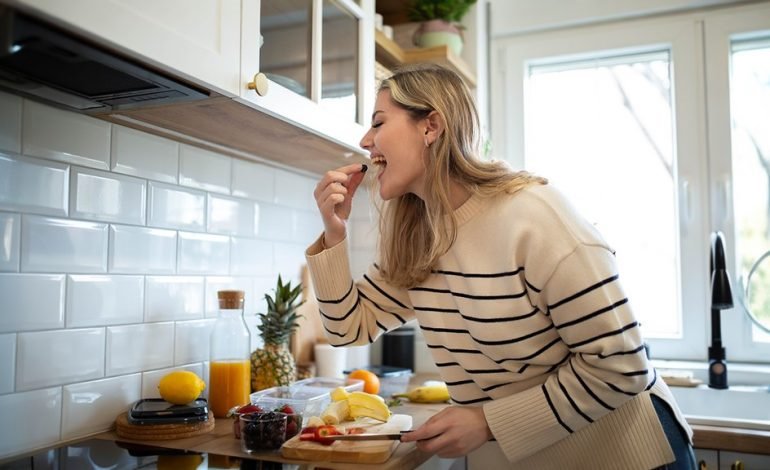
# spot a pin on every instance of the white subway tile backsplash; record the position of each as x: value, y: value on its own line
x: 58, y: 357
x: 134, y: 348
x: 31, y: 302
x: 34, y: 433
x: 55, y: 245
x: 176, y: 207
x: 10, y: 123
x: 145, y: 155
x: 33, y: 185
x: 90, y: 407
x: 192, y: 341
x: 307, y: 226
x: 7, y: 362
x: 294, y: 190
x: 216, y: 283
x: 275, y: 222
x: 94, y: 300
x: 107, y: 196
x: 151, y: 379
x: 201, y: 253
x: 289, y: 257
x: 202, y: 169
x: 230, y: 216
x: 56, y: 134
x: 362, y: 235
x: 10, y: 233
x: 142, y: 250
x: 253, y: 181
x: 173, y: 298
x: 249, y: 256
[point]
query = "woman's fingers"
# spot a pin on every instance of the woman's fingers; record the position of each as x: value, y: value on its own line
x: 334, y: 196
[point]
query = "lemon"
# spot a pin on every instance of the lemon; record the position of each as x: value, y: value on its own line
x: 180, y: 387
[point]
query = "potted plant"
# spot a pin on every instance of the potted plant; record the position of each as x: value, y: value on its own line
x: 440, y: 22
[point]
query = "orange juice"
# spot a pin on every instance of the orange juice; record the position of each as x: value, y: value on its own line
x: 229, y: 386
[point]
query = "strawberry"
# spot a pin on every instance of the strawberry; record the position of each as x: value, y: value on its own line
x: 322, y: 434
x: 285, y: 409
x: 249, y: 409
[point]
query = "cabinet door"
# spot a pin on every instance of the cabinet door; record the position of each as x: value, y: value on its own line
x: 707, y: 459
x: 318, y: 57
x: 729, y: 460
x: 198, y: 40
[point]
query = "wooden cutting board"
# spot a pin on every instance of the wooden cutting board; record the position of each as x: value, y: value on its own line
x: 350, y: 451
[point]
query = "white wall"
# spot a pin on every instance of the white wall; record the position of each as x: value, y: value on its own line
x: 113, y: 243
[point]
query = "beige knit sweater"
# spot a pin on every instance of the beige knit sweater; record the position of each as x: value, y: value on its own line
x: 525, y: 316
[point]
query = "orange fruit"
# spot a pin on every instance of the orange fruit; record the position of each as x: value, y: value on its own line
x: 371, y: 381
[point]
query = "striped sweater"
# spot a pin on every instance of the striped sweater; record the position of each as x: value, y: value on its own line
x: 525, y: 316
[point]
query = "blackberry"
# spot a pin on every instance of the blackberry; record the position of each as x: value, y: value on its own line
x: 261, y: 431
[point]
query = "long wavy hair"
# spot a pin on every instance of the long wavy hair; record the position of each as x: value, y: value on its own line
x: 415, y: 233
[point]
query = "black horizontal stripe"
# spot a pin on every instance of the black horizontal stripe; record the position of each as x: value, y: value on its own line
x: 617, y: 389
x: 619, y: 353
x: 572, y: 402
x: 444, y: 330
x: 447, y: 364
x: 553, y: 409
x: 513, y: 340
x: 604, y: 335
x: 583, y: 292
x: 588, y: 389
x: 591, y: 315
x: 492, y: 387
x: 562, y: 361
x: 351, y: 342
x: 654, y: 379
x: 487, y: 371
x: 361, y: 294
x: 381, y: 291
x: 470, y: 402
x: 468, y: 296
x: 500, y: 320
x: 336, y: 301
x: 344, y: 317
x: 478, y: 275
x: 636, y: 372
x: 531, y: 286
x: 523, y: 368
x: 436, y: 309
x: 530, y: 356
x: 380, y: 325
x: 467, y: 351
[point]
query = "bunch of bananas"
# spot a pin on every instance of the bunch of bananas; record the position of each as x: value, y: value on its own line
x: 438, y: 393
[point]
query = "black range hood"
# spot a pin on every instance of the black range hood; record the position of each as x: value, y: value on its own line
x: 42, y: 62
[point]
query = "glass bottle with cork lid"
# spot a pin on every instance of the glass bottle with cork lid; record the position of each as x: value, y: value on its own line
x: 229, y: 367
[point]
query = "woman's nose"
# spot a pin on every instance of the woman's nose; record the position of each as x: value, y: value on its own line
x: 366, y: 140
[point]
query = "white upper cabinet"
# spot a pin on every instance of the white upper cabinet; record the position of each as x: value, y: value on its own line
x: 317, y: 57
x: 198, y: 40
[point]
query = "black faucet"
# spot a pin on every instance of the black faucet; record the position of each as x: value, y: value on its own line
x: 721, y: 299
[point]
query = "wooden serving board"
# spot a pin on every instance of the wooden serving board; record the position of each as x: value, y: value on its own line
x: 350, y: 451
x: 154, y: 432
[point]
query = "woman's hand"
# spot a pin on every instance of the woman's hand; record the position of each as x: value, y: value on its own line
x: 334, y: 196
x: 452, y: 432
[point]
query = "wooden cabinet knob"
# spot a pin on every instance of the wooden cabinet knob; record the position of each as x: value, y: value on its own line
x: 259, y: 84
x: 737, y: 465
x: 702, y: 465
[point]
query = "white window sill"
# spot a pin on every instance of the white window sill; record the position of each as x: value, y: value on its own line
x: 737, y: 373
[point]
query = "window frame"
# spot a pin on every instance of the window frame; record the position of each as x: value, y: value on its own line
x: 687, y: 36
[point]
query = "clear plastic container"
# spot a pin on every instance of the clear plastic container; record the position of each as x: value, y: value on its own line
x: 392, y: 379
x: 308, y: 397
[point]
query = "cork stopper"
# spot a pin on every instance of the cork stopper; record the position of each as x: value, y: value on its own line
x: 230, y: 299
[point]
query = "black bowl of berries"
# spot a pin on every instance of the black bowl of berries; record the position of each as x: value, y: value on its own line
x: 262, y: 431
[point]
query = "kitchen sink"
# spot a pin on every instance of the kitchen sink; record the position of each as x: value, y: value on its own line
x: 738, y: 406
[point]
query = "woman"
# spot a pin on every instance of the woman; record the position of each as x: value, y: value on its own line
x: 517, y: 296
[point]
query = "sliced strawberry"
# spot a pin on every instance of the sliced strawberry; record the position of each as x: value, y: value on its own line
x: 308, y: 436
x: 323, y: 432
x: 286, y: 409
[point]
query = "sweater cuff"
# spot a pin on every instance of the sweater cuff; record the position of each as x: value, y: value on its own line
x: 329, y: 269
x: 523, y: 423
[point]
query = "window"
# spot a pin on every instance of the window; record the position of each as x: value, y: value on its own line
x: 617, y: 116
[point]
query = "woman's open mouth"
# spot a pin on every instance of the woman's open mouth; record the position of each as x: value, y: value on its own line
x: 379, y: 160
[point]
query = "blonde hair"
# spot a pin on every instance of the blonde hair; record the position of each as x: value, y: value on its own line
x: 414, y: 233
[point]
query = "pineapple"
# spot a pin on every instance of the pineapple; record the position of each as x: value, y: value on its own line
x: 274, y: 365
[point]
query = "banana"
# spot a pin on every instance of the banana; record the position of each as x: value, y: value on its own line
x: 339, y: 394
x: 364, y: 404
x: 336, y: 412
x: 426, y: 394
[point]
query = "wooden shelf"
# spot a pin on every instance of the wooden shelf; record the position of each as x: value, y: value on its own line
x: 390, y: 54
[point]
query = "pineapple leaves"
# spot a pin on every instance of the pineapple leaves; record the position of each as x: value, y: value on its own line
x: 280, y: 321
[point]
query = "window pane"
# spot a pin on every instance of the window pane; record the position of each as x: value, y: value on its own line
x: 750, y: 102
x: 340, y: 61
x: 285, y: 53
x: 601, y: 130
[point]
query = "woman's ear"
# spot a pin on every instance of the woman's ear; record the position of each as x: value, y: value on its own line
x: 434, y: 127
